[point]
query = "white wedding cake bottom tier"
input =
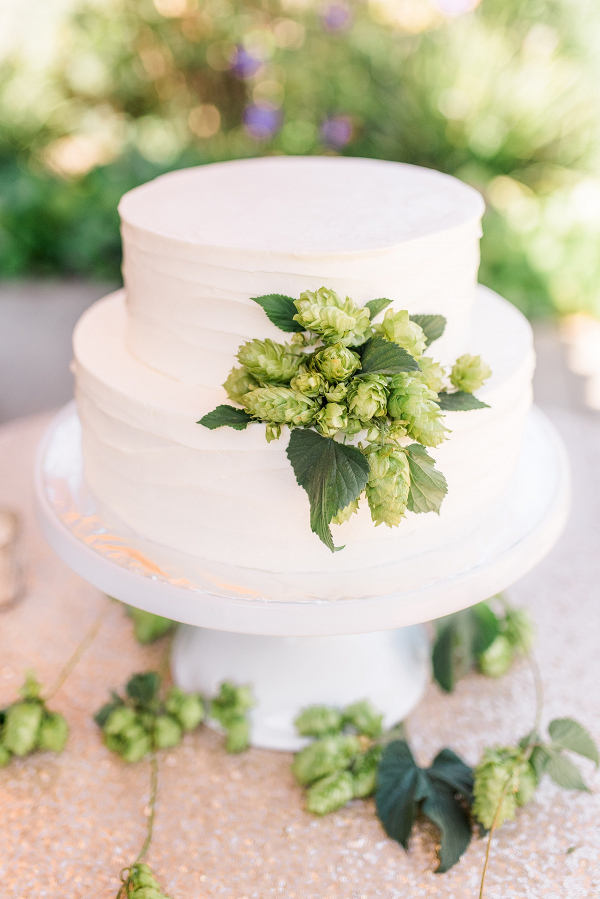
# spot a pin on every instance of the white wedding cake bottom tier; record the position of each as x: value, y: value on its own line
x: 229, y: 498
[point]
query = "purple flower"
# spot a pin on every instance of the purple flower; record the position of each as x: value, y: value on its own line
x: 336, y: 17
x: 261, y: 122
x: 243, y: 64
x: 337, y: 131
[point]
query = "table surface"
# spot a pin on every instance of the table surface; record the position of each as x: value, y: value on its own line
x: 234, y: 826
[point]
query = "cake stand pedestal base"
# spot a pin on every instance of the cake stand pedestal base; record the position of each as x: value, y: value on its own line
x: 390, y: 668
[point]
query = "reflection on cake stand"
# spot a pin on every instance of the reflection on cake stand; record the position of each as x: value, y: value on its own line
x: 296, y: 652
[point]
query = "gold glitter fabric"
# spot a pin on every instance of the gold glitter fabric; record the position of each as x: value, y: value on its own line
x: 234, y: 827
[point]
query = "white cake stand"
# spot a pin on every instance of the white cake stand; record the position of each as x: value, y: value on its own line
x: 296, y: 653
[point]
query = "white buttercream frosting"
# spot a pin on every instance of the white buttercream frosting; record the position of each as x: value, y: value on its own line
x: 198, y: 244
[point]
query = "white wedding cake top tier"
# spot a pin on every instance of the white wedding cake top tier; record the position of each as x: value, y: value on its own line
x: 199, y: 243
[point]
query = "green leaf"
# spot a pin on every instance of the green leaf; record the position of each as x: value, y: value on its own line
x: 381, y: 357
x: 433, y: 326
x: 332, y: 474
x: 562, y: 771
x: 459, y: 401
x: 403, y: 788
x: 487, y: 629
x: 143, y: 688
x: 539, y: 759
x: 460, y: 639
x: 148, y: 627
x: 428, y: 486
x: 280, y: 310
x: 442, y: 659
x: 103, y: 714
x: 226, y: 416
x: 377, y: 306
x: 568, y: 734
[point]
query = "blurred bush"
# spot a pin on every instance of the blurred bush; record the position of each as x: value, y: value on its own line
x: 504, y: 95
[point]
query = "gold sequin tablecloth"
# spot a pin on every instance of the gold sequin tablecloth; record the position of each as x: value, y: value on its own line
x: 234, y: 826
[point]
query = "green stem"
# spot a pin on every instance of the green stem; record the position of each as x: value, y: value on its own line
x: 152, y: 804
x: 491, y: 834
x: 79, y: 651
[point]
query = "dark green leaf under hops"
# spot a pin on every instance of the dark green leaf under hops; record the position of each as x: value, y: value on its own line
x: 377, y: 306
x: 459, y: 401
x: 428, y: 486
x: 381, y: 357
x: 280, y: 310
x: 433, y: 326
x: 226, y: 416
x: 461, y: 639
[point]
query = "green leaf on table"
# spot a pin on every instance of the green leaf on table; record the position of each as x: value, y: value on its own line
x: 568, y: 734
x: 280, y: 310
x: 143, y: 688
x: 428, y: 486
x: 459, y: 401
x: 433, y: 326
x: 562, y: 770
x: 404, y: 789
x: 377, y: 306
x: 226, y: 416
x: 461, y: 638
x: 103, y: 714
x: 381, y: 357
x: 332, y: 474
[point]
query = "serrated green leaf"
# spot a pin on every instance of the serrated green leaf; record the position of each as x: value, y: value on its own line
x: 143, y: 688
x: 539, y: 760
x: 226, y: 416
x: 381, y: 357
x: 460, y: 638
x: 563, y: 772
x: 280, y: 310
x: 428, y: 486
x: 487, y: 629
x: 377, y: 306
x: 399, y: 791
x: 433, y: 326
x: 459, y: 401
x: 453, y: 823
x: 451, y: 769
x: 568, y: 734
x: 332, y: 474
x: 103, y: 714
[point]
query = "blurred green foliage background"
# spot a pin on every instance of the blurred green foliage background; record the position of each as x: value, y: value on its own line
x: 504, y: 94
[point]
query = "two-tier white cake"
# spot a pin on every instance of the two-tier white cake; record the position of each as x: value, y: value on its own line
x: 150, y: 360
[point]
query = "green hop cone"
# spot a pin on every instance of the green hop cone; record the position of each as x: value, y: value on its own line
x: 21, y: 726
x: 136, y: 743
x: 310, y: 383
x: 415, y: 404
x: 237, y: 731
x: 365, y: 718
x: 528, y: 782
x: 325, y: 756
x: 497, y: 658
x: 280, y: 405
x: 520, y: 631
x: 388, y: 485
x: 337, y: 321
x: 188, y: 708
x: 32, y: 688
x: 346, y: 513
x: 469, y: 372
x: 239, y: 382
x: 330, y: 793
x: 319, y: 720
x: 331, y: 418
x: 398, y: 328
x: 269, y: 361
x: 147, y: 893
x: 167, y: 732
x: 230, y: 701
x: 432, y: 373
x: 272, y: 431
x: 336, y: 394
x: 336, y: 362
x: 119, y: 720
x: 148, y: 627
x: 364, y: 773
x: 53, y: 732
x: 367, y: 397
x: 141, y: 875
x: 5, y: 756
x: 497, y: 778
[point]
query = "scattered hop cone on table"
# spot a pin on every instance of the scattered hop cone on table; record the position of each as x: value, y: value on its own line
x: 280, y: 405
x: 388, y: 485
x: 239, y: 382
x: 319, y: 720
x: 499, y: 772
x: 330, y: 793
x: 323, y: 312
x: 53, y: 732
x: 188, y: 708
x: 520, y: 631
x: 266, y: 360
x: 398, y: 328
x: 141, y: 884
x: 230, y: 709
x: 367, y: 397
x: 21, y: 725
x: 167, y: 732
x: 469, y: 372
x: 331, y: 418
x: 497, y: 658
x: 148, y: 627
x: 365, y: 718
x: 364, y: 772
x: 415, y: 404
x: 325, y: 756
x: 336, y: 362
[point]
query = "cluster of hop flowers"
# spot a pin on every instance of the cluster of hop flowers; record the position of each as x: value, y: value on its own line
x: 341, y: 763
x: 230, y: 708
x: 316, y: 381
x: 515, y: 638
x: 28, y: 725
x: 140, y: 883
x: 505, y: 779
